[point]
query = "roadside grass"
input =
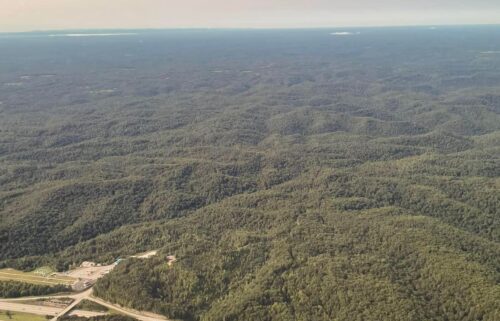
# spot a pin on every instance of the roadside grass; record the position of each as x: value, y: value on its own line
x: 20, y: 316
x: 88, y: 305
x: 36, y: 277
x: 62, y: 302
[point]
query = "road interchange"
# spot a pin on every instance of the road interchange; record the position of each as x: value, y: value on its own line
x: 15, y: 305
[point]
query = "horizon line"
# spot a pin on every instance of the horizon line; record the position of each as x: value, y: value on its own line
x: 251, y: 28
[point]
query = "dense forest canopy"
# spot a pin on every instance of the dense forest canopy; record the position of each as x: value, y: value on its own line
x: 15, y: 289
x: 294, y: 174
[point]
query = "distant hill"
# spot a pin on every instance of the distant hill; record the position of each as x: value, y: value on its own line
x: 294, y: 175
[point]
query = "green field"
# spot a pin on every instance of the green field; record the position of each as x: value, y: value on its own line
x: 34, y: 277
x: 19, y: 316
x: 88, y: 305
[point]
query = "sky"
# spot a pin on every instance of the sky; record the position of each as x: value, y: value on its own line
x: 28, y: 15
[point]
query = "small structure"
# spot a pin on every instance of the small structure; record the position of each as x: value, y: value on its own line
x: 146, y: 255
x: 82, y: 285
x: 87, y: 264
x: 171, y: 259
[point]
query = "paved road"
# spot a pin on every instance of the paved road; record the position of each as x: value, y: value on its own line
x: 135, y: 314
x: 95, y: 273
x: 12, y: 305
x: 45, y: 310
x: 27, y: 308
x: 76, y: 300
x: 29, y: 298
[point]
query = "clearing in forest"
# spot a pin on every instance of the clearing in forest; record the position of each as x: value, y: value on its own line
x: 35, y: 277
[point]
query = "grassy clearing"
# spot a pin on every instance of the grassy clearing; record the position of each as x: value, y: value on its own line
x: 20, y: 316
x: 44, y: 271
x: 35, y: 277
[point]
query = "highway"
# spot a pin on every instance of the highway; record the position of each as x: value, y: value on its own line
x: 142, y: 316
x: 77, y: 298
x: 27, y: 308
x: 93, y: 273
x: 15, y: 306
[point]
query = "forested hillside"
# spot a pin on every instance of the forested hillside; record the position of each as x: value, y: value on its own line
x: 295, y: 175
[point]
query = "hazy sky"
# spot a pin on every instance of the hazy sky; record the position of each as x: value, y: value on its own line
x: 23, y: 15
